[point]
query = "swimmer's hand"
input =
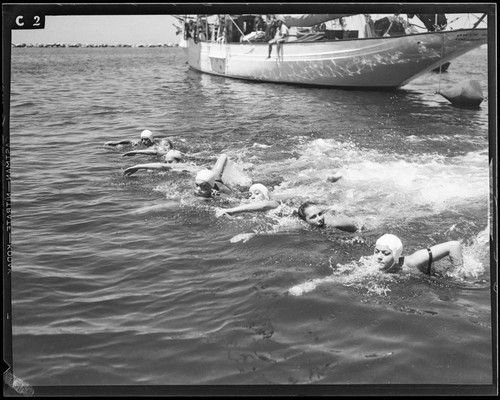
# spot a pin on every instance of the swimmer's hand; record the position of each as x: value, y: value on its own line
x: 146, y: 152
x: 130, y: 170
x: 118, y: 143
x: 334, y: 178
x: 130, y: 153
x: 219, y: 212
x: 242, y: 237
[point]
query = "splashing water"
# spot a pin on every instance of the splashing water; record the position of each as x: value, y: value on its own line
x: 475, y: 255
x: 365, y: 274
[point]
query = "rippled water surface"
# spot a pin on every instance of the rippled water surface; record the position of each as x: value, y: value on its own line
x: 133, y: 281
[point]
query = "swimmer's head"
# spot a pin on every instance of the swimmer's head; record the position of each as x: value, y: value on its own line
x: 147, y: 137
x: 259, y: 192
x: 388, y: 249
x: 173, y: 156
x: 204, y: 182
x: 312, y: 213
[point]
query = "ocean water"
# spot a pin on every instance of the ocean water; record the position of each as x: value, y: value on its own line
x: 122, y: 280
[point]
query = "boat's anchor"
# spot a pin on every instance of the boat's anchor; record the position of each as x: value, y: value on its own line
x: 465, y: 95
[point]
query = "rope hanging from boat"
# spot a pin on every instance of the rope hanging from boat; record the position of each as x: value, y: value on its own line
x: 441, y: 66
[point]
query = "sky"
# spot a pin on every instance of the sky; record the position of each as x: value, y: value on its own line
x: 100, y: 29
x: 111, y: 30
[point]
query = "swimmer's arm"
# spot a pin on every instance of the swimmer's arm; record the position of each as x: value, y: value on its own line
x: 159, y: 166
x: 420, y: 259
x: 147, y: 152
x: 259, y: 206
x: 117, y: 143
x: 224, y: 189
x: 342, y: 223
x: 242, y: 237
x: 219, y: 166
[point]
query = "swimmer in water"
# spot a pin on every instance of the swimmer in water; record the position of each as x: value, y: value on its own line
x: 208, y: 183
x: 315, y: 215
x: 388, y: 250
x: 260, y: 200
x: 172, y: 156
x: 159, y: 149
x: 147, y: 140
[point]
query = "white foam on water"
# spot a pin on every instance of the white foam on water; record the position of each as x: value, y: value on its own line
x: 363, y: 274
x: 380, y: 185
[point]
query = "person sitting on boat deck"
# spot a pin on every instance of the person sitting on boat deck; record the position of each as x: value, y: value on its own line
x: 320, y: 217
x: 388, y: 250
x: 208, y: 183
x: 147, y: 140
x: 259, y: 200
x: 282, y: 33
x: 172, y: 156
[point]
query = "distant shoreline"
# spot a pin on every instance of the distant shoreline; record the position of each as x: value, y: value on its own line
x: 86, y: 45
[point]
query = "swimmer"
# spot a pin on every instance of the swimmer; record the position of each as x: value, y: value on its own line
x: 260, y: 200
x: 209, y: 183
x: 173, y: 156
x: 147, y: 140
x: 160, y: 148
x: 315, y: 215
x: 388, y: 250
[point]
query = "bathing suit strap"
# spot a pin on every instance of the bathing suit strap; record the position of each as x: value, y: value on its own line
x: 216, y: 189
x: 428, y: 272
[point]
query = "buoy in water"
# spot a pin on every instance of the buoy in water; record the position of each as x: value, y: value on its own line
x: 468, y: 94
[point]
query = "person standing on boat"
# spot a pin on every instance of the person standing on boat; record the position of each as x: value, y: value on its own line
x: 282, y: 33
x: 270, y: 27
x: 369, y: 26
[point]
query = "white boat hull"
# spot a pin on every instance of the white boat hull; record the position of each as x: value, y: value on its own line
x: 369, y: 62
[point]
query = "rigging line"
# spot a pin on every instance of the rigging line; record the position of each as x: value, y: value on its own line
x: 478, y: 21
x: 441, y: 66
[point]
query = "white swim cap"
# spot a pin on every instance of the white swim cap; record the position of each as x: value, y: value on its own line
x: 205, y: 175
x: 262, y: 188
x: 147, y: 134
x: 173, y: 155
x: 394, y: 244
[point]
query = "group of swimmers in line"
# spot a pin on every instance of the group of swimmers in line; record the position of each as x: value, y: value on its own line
x: 208, y: 184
